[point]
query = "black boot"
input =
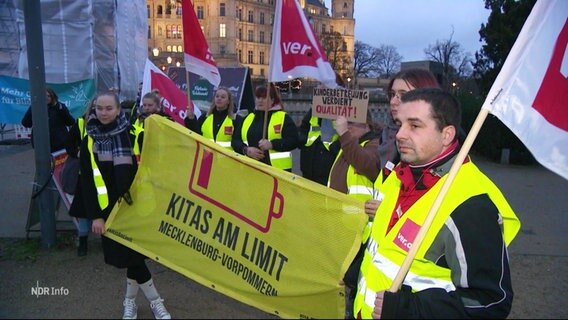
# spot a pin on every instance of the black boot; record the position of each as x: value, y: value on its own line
x: 82, y: 250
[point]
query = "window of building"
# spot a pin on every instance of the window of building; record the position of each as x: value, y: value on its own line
x: 312, y: 11
x: 330, y: 29
x: 240, y: 34
x: 250, y: 36
x: 174, y: 49
x: 250, y: 16
x: 222, y: 9
x: 200, y: 12
x: 261, y: 18
x: 272, y: 19
x: 261, y: 57
x: 160, y: 10
x: 345, y: 5
x: 160, y: 32
x: 240, y: 53
x: 169, y: 48
x: 149, y: 12
x: 262, y: 72
x: 169, y: 8
x: 149, y: 32
x: 222, y: 49
x: 250, y: 56
x: 240, y: 14
x: 168, y: 32
x: 222, y: 30
x: 323, y: 28
x: 261, y: 37
x: 270, y: 1
x: 344, y: 30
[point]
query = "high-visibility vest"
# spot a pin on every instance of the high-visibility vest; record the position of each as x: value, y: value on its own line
x: 136, y: 130
x: 384, y: 253
x: 81, y: 125
x: 278, y: 159
x: 358, y: 186
x: 315, y: 132
x: 139, y: 123
x: 224, y: 135
x: 102, y: 191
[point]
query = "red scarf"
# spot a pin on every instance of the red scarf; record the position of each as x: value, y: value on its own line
x: 416, y: 181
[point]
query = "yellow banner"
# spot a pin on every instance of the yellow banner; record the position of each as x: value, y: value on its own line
x: 263, y: 236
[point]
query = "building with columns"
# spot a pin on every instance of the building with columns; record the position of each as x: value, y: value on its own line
x: 239, y: 32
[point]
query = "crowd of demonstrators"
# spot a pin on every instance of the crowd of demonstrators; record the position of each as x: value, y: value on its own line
x: 217, y: 124
x: 271, y: 142
x: 150, y: 105
x: 317, y: 148
x: 462, y: 268
x: 72, y: 145
x: 108, y: 166
x: 59, y: 119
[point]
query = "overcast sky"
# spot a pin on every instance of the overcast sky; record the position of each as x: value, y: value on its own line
x: 411, y: 25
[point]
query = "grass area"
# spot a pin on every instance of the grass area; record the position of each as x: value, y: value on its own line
x: 29, y: 249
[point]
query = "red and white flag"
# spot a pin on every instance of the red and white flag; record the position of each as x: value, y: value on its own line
x: 172, y: 99
x: 296, y: 52
x: 530, y: 94
x: 197, y: 56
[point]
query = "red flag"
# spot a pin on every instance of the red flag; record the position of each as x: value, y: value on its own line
x: 530, y: 93
x: 296, y: 51
x: 197, y: 56
x: 172, y: 99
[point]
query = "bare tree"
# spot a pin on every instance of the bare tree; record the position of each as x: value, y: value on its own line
x: 455, y: 63
x: 389, y: 60
x: 365, y: 60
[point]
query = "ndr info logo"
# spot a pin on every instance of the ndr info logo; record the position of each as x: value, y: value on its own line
x: 49, y: 291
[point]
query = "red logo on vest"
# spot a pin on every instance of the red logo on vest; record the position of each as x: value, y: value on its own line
x: 228, y: 131
x: 406, y: 235
x: 277, y: 128
x: 552, y: 95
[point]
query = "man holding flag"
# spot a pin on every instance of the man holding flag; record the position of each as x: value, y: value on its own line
x: 461, y: 269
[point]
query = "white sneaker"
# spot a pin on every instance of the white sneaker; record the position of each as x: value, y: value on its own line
x: 130, y: 309
x: 159, y: 310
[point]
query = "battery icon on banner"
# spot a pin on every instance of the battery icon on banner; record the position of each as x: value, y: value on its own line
x: 210, y: 180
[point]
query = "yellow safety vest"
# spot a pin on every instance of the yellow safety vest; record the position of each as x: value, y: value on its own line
x: 315, y: 132
x: 384, y: 256
x: 102, y: 192
x: 224, y: 135
x: 278, y: 159
x: 358, y: 186
x: 136, y: 130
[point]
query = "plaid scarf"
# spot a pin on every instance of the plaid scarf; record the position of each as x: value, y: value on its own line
x: 111, y: 141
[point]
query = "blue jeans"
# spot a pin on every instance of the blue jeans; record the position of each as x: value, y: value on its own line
x: 84, y: 225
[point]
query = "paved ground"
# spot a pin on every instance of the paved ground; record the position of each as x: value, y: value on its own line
x: 539, y: 259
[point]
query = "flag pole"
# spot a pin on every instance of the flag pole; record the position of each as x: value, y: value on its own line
x: 399, y: 278
x: 268, y: 104
x: 188, y: 92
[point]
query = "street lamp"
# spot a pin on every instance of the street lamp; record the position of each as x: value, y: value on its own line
x: 156, y: 52
x: 178, y: 64
x: 348, y: 82
x: 169, y: 59
x: 289, y: 84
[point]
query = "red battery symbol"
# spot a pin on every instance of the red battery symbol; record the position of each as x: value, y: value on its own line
x: 211, y: 181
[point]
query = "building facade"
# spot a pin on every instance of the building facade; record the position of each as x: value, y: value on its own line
x: 239, y: 32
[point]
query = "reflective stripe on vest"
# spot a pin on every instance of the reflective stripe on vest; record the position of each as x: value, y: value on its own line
x: 81, y: 126
x: 102, y: 192
x: 383, y: 255
x: 224, y: 135
x: 315, y: 132
x: 278, y: 159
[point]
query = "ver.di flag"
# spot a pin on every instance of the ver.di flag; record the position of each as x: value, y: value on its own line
x: 197, y: 56
x: 172, y: 99
x: 530, y: 94
x: 295, y: 50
